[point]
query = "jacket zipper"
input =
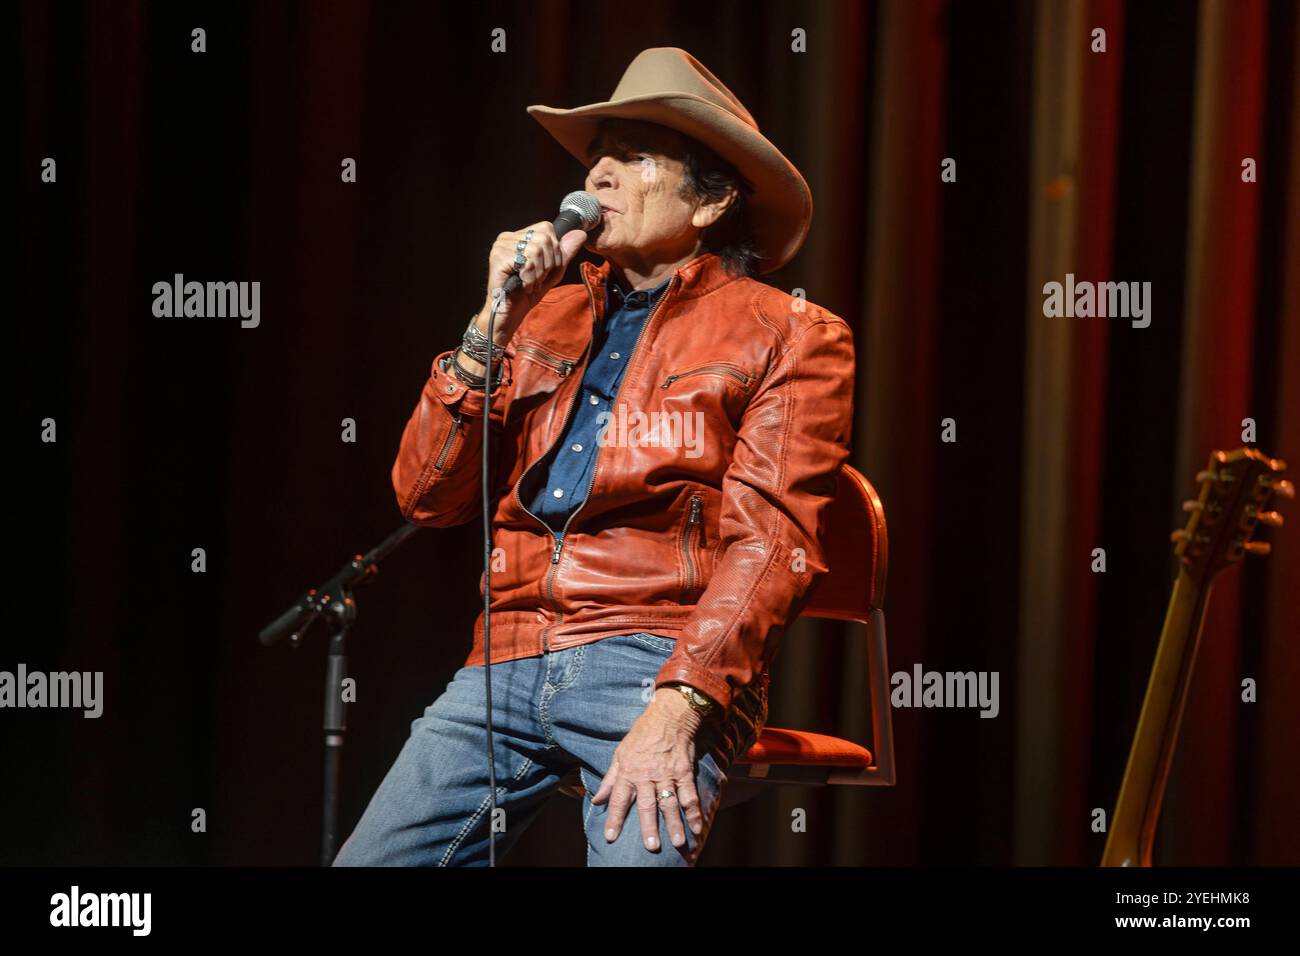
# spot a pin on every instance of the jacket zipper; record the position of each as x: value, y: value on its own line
x: 555, y: 552
x: 688, y: 544
x: 705, y: 369
x: 595, y: 468
x: 446, y: 445
x: 559, y: 539
x: 561, y: 367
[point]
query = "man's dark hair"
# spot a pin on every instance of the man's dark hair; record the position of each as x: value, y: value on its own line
x: 707, y: 176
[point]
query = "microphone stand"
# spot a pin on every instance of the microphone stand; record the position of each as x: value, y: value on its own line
x: 332, y: 602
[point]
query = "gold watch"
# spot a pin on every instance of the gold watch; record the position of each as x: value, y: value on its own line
x: 702, y: 703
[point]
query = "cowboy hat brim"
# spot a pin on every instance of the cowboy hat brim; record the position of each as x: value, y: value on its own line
x: 781, y: 203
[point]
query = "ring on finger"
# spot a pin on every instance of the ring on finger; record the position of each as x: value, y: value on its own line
x: 665, y: 794
x: 520, y: 246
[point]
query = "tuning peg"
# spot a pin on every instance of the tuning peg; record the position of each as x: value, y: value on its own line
x: 1270, y: 518
x: 1205, y: 476
x: 1192, y: 505
x: 1179, y: 535
x: 1283, y: 488
x: 1258, y: 547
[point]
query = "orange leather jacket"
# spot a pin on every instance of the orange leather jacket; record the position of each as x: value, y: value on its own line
x: 707, y: 535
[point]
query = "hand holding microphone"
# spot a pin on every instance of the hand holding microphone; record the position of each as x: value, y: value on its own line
x: 546, y: 249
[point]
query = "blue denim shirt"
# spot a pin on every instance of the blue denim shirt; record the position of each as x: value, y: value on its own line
x: 562, y: 478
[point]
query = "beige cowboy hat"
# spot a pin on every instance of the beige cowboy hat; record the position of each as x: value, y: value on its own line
x: 668, y: 86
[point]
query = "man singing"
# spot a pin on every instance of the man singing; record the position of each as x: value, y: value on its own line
x: 664, y: 438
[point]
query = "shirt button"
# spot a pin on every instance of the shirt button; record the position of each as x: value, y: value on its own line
x: 595, y: 400
x: 451, y: 388
x: 577, y: 446
x: 558, y: 492
x: 614, y: 355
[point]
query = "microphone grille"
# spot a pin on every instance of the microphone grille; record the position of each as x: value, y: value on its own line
x: 585, y: 205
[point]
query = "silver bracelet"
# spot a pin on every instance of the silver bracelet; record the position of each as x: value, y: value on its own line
x: 475, y: 345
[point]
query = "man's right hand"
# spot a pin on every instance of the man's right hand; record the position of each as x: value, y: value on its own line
x: 548, y: 258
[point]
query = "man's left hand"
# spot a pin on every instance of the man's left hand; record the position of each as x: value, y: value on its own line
x: 658, y: 753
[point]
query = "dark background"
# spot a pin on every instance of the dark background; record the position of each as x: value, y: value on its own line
x: 177, y: 434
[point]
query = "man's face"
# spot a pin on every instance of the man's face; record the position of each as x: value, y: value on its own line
x: 636, y: 171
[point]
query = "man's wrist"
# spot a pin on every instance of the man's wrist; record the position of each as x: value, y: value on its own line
x: 700, y: 702
x: 475, y: 346
x: 676, y: 706
x: 458, y: 367
x: 500, y: 333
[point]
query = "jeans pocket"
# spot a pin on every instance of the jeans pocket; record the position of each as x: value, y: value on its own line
x: 664, y: 645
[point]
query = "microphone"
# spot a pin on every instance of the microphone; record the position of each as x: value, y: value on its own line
x: 578, y: 210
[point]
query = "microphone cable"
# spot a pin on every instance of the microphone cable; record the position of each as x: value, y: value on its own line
x: 487, y: 578
x: 578, y: 210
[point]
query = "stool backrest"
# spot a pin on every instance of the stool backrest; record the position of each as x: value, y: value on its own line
x: 855, y: 542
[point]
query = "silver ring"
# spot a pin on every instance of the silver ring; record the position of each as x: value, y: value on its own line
x: 665, y: 794
x: 520, y: 246
x: 519, y: 249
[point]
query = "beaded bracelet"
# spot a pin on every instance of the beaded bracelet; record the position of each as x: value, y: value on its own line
x: 466, y: 376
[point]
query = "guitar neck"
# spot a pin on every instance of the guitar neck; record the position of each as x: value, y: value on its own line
x: 1132, y: 828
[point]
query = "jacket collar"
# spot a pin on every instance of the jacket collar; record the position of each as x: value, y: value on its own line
x: 700, y: 276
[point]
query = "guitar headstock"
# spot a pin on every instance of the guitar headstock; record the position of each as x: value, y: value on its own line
x: 1236, y: 488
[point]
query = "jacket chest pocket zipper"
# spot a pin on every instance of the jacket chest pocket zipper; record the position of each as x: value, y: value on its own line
x: 560, y: 366
x: 689, y: 541
x: 735, y: 373
x: 451, y: 440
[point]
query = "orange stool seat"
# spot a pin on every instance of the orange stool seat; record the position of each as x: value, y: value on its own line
x: 778, y: 746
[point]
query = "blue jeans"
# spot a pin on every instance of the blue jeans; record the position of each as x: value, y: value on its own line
x: 564, y: 709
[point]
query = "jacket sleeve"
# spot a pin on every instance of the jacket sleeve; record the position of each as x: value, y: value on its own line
x: 437, y: 476
x: 792, y: 441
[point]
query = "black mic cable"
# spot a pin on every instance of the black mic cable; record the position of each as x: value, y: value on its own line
x: 578, y: 210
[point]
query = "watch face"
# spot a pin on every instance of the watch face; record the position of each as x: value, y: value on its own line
x: 699, y: 701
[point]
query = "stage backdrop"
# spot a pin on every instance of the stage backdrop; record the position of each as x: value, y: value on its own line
x: 961, y: 155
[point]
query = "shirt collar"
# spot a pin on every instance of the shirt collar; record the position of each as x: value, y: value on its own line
x: 618, y: 295
x: 699, y: 277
